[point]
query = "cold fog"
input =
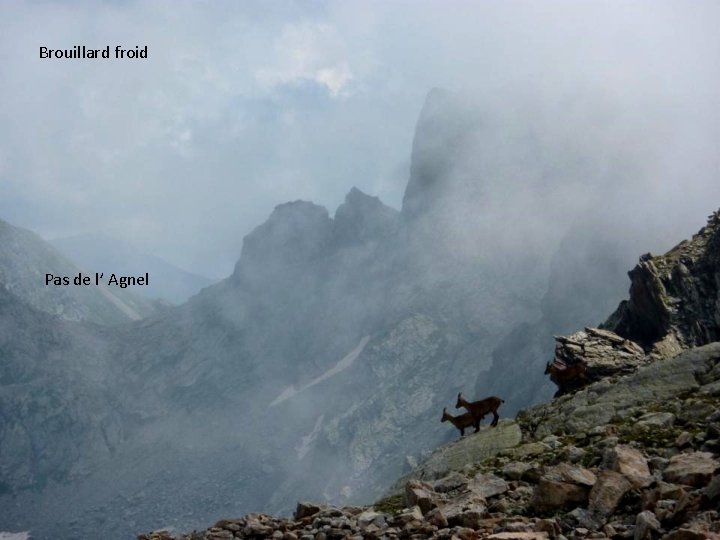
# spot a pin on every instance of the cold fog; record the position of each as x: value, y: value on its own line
x: 240, y: 107
x: 407, y: 200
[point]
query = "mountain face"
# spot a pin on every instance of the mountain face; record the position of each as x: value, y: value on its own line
x: 98, y: 253
x: 26, y: 258
x: 633, y: 454
x: 59, y: 401
x: 320, y: 367
x: 674, y: 299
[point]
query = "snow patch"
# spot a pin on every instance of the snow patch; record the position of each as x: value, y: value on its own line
x: 307, y: 440
x: 344, y: 363
x: 25, y: 535
x: 289, y: 392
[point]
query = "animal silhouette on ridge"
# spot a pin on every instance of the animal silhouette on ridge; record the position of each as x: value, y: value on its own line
x: 461, y: 421
x: 478, y: 409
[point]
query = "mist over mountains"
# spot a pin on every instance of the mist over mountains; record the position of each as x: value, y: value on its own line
x: 27, y: 258
x: 319, y: 368
x: 101, y: 253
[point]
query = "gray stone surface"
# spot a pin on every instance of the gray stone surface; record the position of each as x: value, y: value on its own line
x: 596, y: 404
x: 456, y: 456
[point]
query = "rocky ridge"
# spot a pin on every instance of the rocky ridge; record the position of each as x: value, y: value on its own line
x: 674, y: 300
x: 633, y: 454
x: 674, y: 304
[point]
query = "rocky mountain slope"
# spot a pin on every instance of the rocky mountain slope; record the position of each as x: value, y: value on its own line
x: 57, y: 380
x: 319, y: 368
x: 608, y: 462
x: 26, y: 258
x: 635, y: 454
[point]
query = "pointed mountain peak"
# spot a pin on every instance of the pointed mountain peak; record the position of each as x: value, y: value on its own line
x: 446, y: 124
x: 294, y: 233
x: 363, y: 217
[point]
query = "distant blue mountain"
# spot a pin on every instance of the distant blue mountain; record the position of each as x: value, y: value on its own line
x: 100, y: 253
x: 25, y: 259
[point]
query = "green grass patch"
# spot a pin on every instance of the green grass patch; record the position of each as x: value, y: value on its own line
x: 390, y: 505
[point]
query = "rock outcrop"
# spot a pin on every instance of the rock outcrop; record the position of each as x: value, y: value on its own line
x: 674, y: 304
x: 675, y: 298
x: 591, y: 354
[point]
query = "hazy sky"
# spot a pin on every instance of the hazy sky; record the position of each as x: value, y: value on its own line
x: 244, y: 105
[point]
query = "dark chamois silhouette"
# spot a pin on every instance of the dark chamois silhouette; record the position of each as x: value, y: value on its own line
x: 567, y: 376
x: 461, y: 421
x: 480, y: 408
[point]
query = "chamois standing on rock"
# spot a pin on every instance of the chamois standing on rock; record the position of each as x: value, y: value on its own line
x: 480, y: 408
x: 567, y: 376
x: 461, y: 421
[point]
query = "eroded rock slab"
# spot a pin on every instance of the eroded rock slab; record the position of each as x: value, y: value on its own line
x: 693, y: 469
x: 474, y: 448
x: 630, y: 463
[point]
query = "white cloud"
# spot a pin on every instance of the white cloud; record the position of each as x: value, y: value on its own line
x: 186, y: 152
x: 307, y: 52
x: 335, y: 79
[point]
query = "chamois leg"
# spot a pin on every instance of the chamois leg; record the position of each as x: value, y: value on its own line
x: 496, y: 417
x: 477, y: 424
x: 462, y: 431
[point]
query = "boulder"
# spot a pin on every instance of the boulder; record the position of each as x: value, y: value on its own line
x: 465, y: 511
x: 692, y: 469
x: 419, y: 494
x: 630, y: 463
x: 684, y: 440
x: 562, y: 485
x: 411, y: 514
x: 656, y: 419
x: 712, y: 490
x: 437, y: 518
x: 368, y: 517
x: 487, y: 485
x: 687, y: 534
x: 646, y: 526
x: 519, y: 536
x: 451, y: 482
x: 567, y: 472
x: 515, y: 470
x: 607, y: 492
x: 306, y: 509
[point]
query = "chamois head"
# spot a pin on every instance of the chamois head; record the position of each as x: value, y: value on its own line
x: 445, y: 416
x: 547, y: 367
x: 460, y: 401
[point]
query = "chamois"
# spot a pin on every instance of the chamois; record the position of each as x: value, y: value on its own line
x: 563, y: 375
x: 480, y: 408
x: 461, y: 421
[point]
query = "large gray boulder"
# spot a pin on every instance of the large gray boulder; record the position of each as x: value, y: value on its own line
x: 458, y: 455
